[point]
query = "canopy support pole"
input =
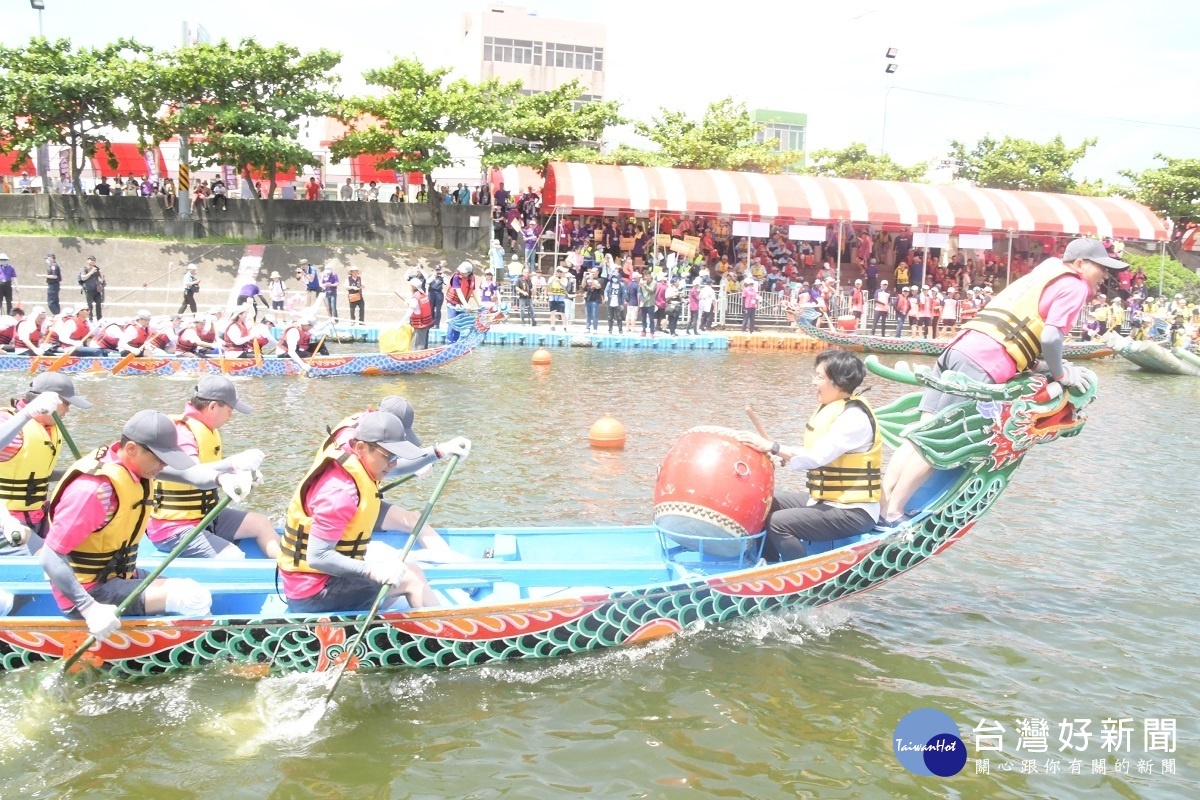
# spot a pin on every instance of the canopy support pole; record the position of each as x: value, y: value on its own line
x: 838, y: 279
x: 1008, y: 262
x: 1162, y: 269
x: 557, y: 223
x: 654, y: 245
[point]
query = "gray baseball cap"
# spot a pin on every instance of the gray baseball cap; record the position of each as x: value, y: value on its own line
x: 156, y: 433
x: 64, y: 386
x: 1092, y: 250
x: 221, y: 389
x: 384, y: 430
x: 402, y: 410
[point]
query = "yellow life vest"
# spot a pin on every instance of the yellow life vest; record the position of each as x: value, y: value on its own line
x: 293, y: 549
x: 25, y: 478
x: 179, y: 501
x: 902, y: 274
x: 1012, y: 317
x: 111, y: 551
x: 347, y: 422
x: 851, y: 477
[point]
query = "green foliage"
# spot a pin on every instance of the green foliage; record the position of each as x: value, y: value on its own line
x: 550, y: 126
x: 1177, y: 280
x: 723, y: 139
x: 1020, y: 164
x: 417, y: 112
x: 53, y: 93
x: 1171, y: 191
x: 856, y: 162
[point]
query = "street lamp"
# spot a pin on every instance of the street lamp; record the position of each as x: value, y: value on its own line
x: 889, y: 69
x: 38, y: 6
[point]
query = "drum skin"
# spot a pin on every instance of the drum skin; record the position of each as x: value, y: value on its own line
x: 712, y: 485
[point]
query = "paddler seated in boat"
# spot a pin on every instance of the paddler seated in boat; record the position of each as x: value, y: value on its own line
x: 179, y: 499
x: 843, y: 455
x: 1023, y: 327
x: 334, y: 511
x: 260, y: 334
x: 70, y: 332
x: 28, y: 339
x: 8, y: 328
x: 163, y: 339
x: 195, y: 341
x: 298, y: 343
x: 107, y: 337
x: 28, y: 459
x: 412, y: 459
x: 237, y: 334
x: 135, y: 335
x: 97, y: 517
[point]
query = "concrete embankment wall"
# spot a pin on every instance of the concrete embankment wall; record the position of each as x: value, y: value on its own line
x: 295, y: 221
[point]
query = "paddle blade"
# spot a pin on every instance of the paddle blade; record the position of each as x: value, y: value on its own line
x: 123, y: 363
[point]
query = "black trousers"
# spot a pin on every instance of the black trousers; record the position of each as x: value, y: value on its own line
x: 616, y: 314
x: 52, y: 298
x: 6, y: 296
x: 357, y: 306
x: 189, y: 301
x: 93, y: 303
x: 792, y: 522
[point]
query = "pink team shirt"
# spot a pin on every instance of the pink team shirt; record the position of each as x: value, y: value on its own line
x: 332, y: 502
x: 84, y: 507
x: 160, y: 529
x: 1061, y: 302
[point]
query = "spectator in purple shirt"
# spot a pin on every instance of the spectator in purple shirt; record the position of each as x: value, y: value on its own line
x: 8, y: 276
x: 329, y: 283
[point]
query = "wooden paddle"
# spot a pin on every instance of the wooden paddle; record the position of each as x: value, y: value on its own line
x: 66, y: 435
x: 124, y: 362
x: 257, y: 355
x: 758, y: 426
x: 62, y: 360
x: 34, y: 363
x: 153, y: 576
x: 383, y: 590
x: 317, y: 349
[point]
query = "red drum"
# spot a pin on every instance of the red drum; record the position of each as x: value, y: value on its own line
x: 848, y: 323
x: 712, y: 486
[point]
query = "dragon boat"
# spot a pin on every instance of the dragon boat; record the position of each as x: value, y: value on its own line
x: 550, y: 592
x: 1153, y: 356
x: 472, y: 328
x: 892, y: 345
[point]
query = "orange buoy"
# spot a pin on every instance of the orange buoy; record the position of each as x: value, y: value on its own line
x: 607, y: 432
x: 541, y: 356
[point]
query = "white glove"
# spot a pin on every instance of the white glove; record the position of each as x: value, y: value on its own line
x: 458, y: 446
x: 15, y: 533
x: 248, y: 460
x: 424, y: 472
x: 387, y: 573
x: 44, y: 403
x: 1074, y: 377
x: 236, y: 485
x: 102, y: 620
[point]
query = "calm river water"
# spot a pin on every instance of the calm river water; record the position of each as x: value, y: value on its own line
x: 1074, y: 599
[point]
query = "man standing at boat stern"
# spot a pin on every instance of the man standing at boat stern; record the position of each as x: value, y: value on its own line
x: 29, y: 458
x: 1023, y: 327
x: 97, y: 517
x: 843, y: 455
x: 177, y: 505
x: 323, y: 562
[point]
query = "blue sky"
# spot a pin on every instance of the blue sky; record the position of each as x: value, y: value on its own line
x: 1044, y: 67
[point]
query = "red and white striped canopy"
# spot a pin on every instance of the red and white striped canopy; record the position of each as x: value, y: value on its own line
x: 597, y: 188
x: 516, y: 179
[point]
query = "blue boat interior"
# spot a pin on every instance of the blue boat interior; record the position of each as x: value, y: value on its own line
x: 506, y: 566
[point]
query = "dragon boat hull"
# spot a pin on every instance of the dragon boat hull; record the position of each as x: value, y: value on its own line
x: 889, y: 345
x: 473, y: 329
x: 1153, y: 357
x: 550, y: 592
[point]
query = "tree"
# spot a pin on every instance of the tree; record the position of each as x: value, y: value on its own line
x: 1020, y: 163
x: 52, y: 93
x: 418, y: 111
x: 723, y: 139
x: 855, y: 161
x: 1171, y: 191
x: 551, y: 126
